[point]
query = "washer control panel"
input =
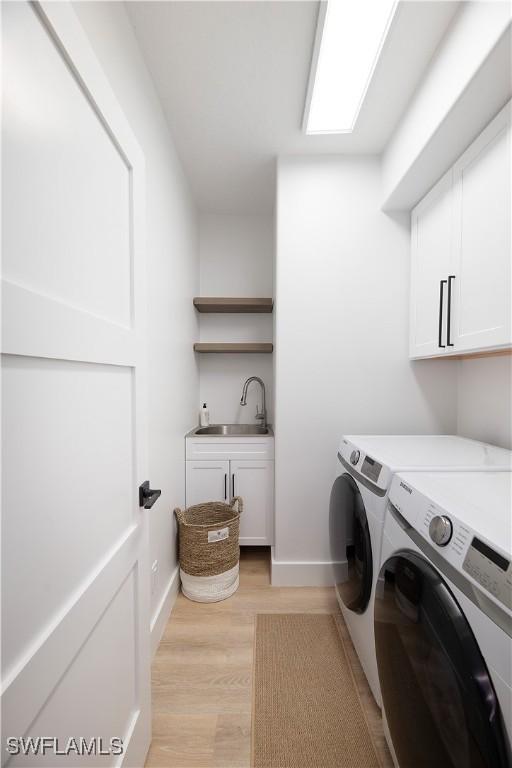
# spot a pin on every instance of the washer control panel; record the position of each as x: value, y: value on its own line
x: 454, y: 540
x: 354, y: 457
x: 440, y: 529
x: 492, y: 571
x: 371, y: 468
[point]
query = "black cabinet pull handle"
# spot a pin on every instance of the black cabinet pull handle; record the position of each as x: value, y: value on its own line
x: 225, y: 487
x: 449, y: 312
x: 442, y: 284
x: 147, y: 495
x: 233, y: 485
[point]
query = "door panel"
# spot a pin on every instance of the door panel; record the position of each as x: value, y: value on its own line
x: 431, y: 234
x: 254, y: 482
x: 63, y: 424
x: 56, y: 160
x: 351, y: 542
x: 483, y: 203
x: 440, y: 704
x: 207, y: 481
x: 75, y: 582
x: 107, y: 702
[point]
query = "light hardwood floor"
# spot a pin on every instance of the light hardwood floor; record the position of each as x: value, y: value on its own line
x: 202, y: 671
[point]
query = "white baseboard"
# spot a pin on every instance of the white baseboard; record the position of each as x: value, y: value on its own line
x: 163, y: 611
x: 304, y: 574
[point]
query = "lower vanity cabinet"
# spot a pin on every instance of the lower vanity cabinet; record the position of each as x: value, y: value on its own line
x: 254, y: 482
x: 207, y: 481
x: 250, y: 478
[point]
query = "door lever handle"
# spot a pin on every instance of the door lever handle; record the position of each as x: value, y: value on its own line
x: 147, y: 495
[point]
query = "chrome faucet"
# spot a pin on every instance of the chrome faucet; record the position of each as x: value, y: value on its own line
x: 260, y: 415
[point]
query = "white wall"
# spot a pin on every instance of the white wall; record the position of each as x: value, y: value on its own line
x: 236, y: 259
x: 342, y: 293
x: 484, y: 405
x: 172, y: 254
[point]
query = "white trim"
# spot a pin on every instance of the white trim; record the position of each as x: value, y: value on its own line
x: 304, y: 574
x: 320, y: 21
x: 163, y: 610
x: 65, y: 29
x: 65, y: 333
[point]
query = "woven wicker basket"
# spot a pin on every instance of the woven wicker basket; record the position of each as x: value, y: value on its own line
x: 209, y: 549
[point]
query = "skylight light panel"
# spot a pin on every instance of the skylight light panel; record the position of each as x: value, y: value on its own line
x: 352, y: 38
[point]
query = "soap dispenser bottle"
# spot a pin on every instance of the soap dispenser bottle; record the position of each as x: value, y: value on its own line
x: 204, y: 416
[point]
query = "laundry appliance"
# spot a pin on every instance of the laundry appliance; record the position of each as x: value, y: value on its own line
x: 365, y: 468
x: 443, y: 620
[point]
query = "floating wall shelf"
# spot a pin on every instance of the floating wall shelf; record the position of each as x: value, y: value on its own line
x: 220, y: 304
x: 249, y: 346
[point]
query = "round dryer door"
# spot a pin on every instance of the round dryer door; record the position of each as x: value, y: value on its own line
x: 350, y: 542
x: 440, y: 704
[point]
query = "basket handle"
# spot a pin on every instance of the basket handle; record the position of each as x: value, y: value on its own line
x: 239, y: 504
x: 179, y: 515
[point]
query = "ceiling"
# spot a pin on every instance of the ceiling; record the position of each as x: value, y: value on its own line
x: 232, y: 78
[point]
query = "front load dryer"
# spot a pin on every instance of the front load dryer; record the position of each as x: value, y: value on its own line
x: 443, y: 620
x: 366, y: 465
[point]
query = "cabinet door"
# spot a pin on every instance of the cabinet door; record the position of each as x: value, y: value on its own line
x: 481, y: 312
x: 206, y: 481
x: 431, y: 239
x: 254, y: 482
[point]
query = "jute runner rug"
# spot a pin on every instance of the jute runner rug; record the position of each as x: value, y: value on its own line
x: 306, y: 709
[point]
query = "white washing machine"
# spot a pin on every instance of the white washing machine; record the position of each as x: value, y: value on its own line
x: 443, y: 620
x: 366, y: 466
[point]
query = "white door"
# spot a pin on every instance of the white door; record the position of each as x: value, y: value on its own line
x: 75, y: 623
x: 254, y: 482
x: 481, y: 313
x: 207, y: 481
x: 431, y: 235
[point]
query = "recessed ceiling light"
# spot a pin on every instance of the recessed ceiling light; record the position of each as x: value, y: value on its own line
x: 349, y: 41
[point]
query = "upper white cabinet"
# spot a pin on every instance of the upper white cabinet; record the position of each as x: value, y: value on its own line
x: 461, y: 253
x: 482, y: 253
x: 431, y: 224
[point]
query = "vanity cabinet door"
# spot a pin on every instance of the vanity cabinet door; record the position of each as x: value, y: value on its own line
x: 207, y: 481
x: 254, y: 482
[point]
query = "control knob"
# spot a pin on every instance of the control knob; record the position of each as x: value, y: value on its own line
x: 440, y: 530
x: 354, y: 457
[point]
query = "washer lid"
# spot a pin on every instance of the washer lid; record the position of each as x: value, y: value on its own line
x: 409, y: 452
